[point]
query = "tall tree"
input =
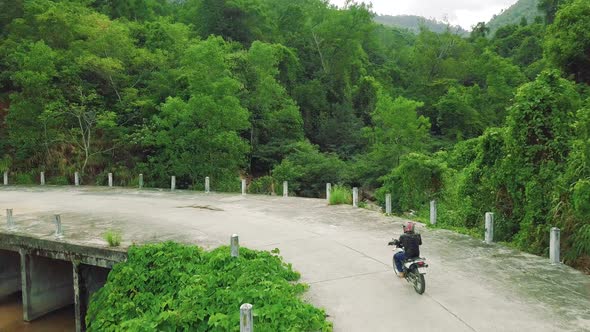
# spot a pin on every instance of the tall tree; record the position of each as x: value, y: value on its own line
x: 568, y: 40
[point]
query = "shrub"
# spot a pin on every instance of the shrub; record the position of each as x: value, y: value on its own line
x: 308, y: 170
x: 5, y: 163
x: 24, y: 178
x: 113, y: 238
x: 229, y: 184
x: 59, y: 180
x: 417, y: 180
x: 173, y: 287
x: 340, y: 195
x: 262, y: 185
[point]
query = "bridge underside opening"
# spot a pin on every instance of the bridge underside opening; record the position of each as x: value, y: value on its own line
x: 10, y: 274
x: 87, y: 280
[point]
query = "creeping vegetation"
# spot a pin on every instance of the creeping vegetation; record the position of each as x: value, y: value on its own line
x: 174, y: 287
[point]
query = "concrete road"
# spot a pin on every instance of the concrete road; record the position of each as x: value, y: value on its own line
x: 340, y: 251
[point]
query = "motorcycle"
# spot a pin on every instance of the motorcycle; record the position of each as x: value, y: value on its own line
x: 414, y: 269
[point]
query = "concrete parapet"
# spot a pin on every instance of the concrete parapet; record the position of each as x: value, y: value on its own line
x: 59, y: 250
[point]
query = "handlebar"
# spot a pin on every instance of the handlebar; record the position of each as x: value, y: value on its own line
x: 393, y: 243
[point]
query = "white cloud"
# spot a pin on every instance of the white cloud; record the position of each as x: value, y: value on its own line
x: 465, y: 13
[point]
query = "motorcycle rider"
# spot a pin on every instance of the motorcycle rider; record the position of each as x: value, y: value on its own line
x: 410, y: 242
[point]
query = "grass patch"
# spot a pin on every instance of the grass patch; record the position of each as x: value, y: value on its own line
x: 113, y: 238
x: 340, y: 195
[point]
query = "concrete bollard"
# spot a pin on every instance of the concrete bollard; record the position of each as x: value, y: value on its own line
x: 5, y: 178
x: 489, y: 220
x: 173, y: 183
x: 9, y: 219
x: 246, y: 318
x: 235, y: 245
x: 554, y: 241
x: 243, y: 186
x: 207, y: 185
x: 328, y: 191
x: 355, y: 197
x: 285, y: 189
x: 433, y: 212
x: 110, y: 179
x: 387, y: 204
x: 42, y: 178
x: 76, y: 179
x: 58, y: 231
x: 140, y: 181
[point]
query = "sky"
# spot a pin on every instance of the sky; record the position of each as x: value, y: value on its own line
x: 465, y: 13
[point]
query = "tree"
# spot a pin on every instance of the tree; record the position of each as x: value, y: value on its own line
x: 480, y: 30
x: 200, y: 136
x: 397, y: 130
x: 457, y: 116
x: 88, y: 116
x: 549, y: 7
x: 537, y: 145
x: 275, y: 118
x: 567, y: 43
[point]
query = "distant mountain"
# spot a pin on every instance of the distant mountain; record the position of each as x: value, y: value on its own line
x: 413, y: 23
x: 513, y: 15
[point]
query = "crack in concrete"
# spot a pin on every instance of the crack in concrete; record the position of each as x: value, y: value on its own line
x: 362, y: 253
x: 452, y: 313
x: 346, y: 277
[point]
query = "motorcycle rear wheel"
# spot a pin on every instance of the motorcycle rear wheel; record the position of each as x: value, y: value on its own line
x: 418, y: 281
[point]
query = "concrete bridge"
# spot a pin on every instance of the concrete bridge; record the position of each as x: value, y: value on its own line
x: 340, y: 251
x: 52, y: 274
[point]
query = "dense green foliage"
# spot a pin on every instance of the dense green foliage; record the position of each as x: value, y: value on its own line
x: 172, y: 287
x: 300, y: 91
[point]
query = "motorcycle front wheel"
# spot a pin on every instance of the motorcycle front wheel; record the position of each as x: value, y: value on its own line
x: 418, y: 281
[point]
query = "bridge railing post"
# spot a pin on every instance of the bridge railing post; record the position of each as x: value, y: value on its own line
x: 355, y: 197
x: 9, y: 219
x: 235, y: 245
x: 328, y: 191
x: 140, y: 181
x: 207, y: 185
x: 76, y: 179
x: 554, y: 245
x: 42, y: 178
x: 5, y: 178
x: 110, y: 179
x: 58, y: 230
x: 246, y: 318
x: 489, y: 223
x: 387, y: 204
x: 243, y: 186
x: 433, y: 212
x: 172, y: 183
x: 285, y: 189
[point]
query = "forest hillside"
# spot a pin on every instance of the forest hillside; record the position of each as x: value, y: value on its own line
x: 299, y: 91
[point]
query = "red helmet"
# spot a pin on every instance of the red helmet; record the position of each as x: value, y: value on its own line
x: 409, y: 227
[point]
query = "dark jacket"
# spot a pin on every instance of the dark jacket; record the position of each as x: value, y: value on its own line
x: 411, y: 244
